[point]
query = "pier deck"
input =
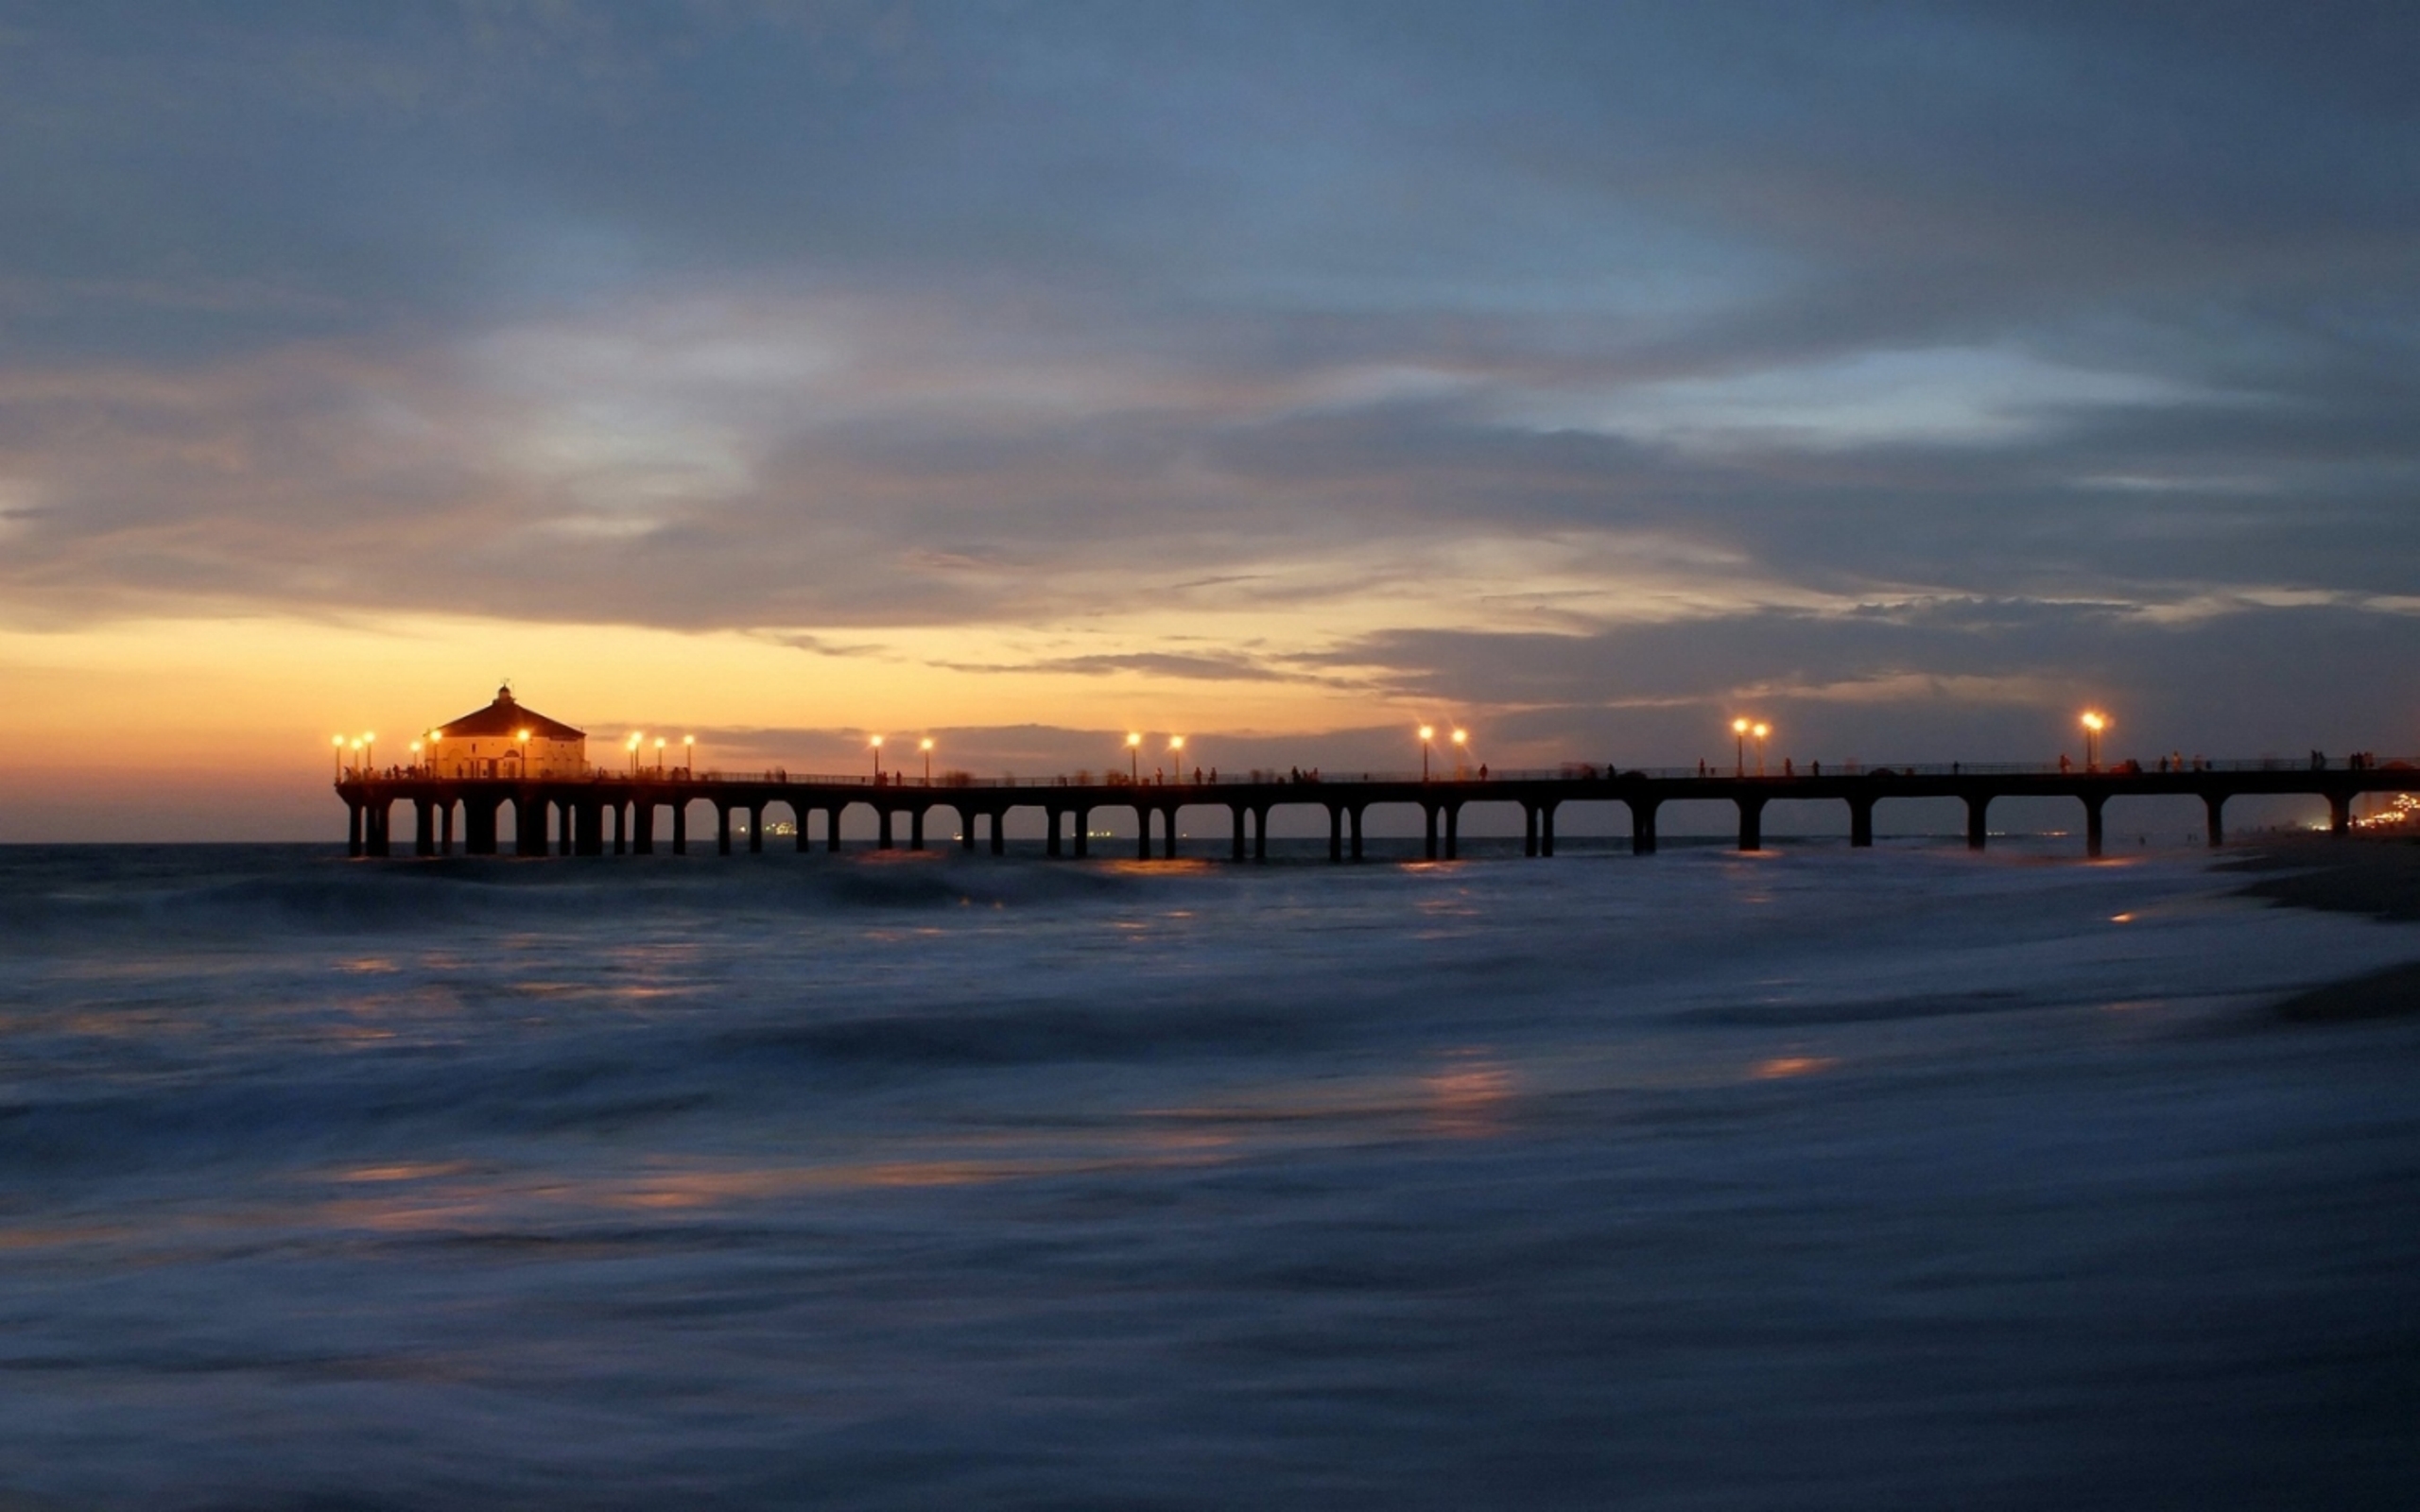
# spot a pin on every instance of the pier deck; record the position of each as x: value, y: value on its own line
x: 616, y: 814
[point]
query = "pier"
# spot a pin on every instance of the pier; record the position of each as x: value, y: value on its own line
x: 620, y: 813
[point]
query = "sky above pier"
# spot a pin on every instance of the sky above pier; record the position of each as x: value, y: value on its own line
x: 1912, y: 377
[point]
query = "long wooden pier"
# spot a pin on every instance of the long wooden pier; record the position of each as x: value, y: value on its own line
x: 605, y: 813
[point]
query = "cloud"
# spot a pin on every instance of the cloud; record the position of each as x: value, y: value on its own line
x: 1547, y: 358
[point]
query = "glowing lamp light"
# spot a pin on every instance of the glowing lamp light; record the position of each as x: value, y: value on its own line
x: 1428, y: 731
x: 2093, y: 722
x: 1176, y: 743
x: 926, y: 743
x: 876, y: 742
x: 1461, y: 738
x: 1761, y: 731
x: 1134, y: 738
x: 1738, y: 727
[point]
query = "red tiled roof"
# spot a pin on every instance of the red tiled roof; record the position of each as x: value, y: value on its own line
x: 507, y: 718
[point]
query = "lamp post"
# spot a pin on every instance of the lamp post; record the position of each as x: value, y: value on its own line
x: 360, y: 768
x: 436, y: 758
x: 337, y: 741
x: 690, y: 757
x: 523, y: 736
x: 1135, y: 757
x: 877, y: 743
x: 1462, y: 739
x: 1760, y: 732
x: 370, y: 750
x: 1427, y: 733
x: 1739, y: 748
x: 927, y: 746
x: 1176, y: 756
x: 632, y: 744
x: 659, y: 756
x: 415, y: 755
x: 2094, y: 723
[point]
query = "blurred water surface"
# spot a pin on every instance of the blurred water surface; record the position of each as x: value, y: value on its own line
x: 1822, y: 1179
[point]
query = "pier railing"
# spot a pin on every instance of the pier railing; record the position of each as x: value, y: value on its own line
x: 1570, y: 771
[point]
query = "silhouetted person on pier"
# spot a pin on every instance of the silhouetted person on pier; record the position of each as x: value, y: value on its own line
x: 1482, y: 772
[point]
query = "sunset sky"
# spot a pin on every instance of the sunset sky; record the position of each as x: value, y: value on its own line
x: 1912, y: 377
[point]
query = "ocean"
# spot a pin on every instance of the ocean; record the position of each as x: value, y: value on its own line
x: 1823, y: 1179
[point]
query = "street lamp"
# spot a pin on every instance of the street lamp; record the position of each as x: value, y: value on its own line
x: 415, y: 755
x: 632, y: 745
x: 436, y: 764
x: 1739, y: 748
x: 1175, y: 755
x: 338, y: 741
x: 370, y: 748
x: 1760, y: 732
x: 689, y: 756
x: 658, y: 755
x: 1462, y: 739
x: 2094, y: 724
x: 877, y: 743
x: 1427, y: 733
x: 927, y: 746
x: 523, y: 736
x: 1135, y: 756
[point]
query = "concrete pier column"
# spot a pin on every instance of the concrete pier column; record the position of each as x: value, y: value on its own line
x: 643, y: 827
x: 883, y: 838
x: 478, y: 826
x: 1428, y: 813
x: 563, y: 826
x: 1238, y: 809
x: 1642, y: 825
x: 916, y: 828
x: 1356, y: 815
x: 1083, y: 817
x: 2092, y: 823
x: 529, y: 814
x: 1453, y: 832
x: 1977, y: 806
x: 832, y: 829
x: 354, y: 838
x: 1260, y: 832
x: 805, y: 819
x: 1335, y: 831
x: 446, y: 828
x: 999, y: 834
x: 592, y: 828
x: 965, y: 827
x: 2339, y: 813
x: 1142, y: 831
x: 679, y: 825
x: 723, y: 829
x: 621, y: 827
x: 1752, y: 823
x: 1054, y: 815
x: 1168, y: 835
x: 2214, y: 804
x: 424, y: 828
x: 1545, y: 827
x: 1529, y: 828
x: 756, y: 828
x: 1861, y: 822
